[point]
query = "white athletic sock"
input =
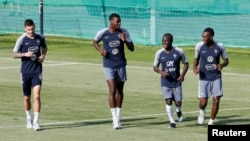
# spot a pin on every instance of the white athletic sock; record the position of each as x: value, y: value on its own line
x: 36, y: 117
x: 118, y: 112
x: 170, y: 112
x: 113, y: 112
x: 28, y: 115
x: 202, y: 112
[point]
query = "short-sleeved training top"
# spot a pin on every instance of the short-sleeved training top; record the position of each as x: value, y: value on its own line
x: 209, y: 58
x: 170, y: 63
x: 114, y: 46
x: 30, y: 65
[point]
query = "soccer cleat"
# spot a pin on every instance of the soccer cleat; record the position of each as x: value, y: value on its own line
x: 119, y: 124
x: 211, y: 122
x: 172, y: 125
x: 179, y: 115
x: 116, y: 124
x: 36, y: 127
x: 29, y: 124
x: 201, y: 118
x: 180, y: 119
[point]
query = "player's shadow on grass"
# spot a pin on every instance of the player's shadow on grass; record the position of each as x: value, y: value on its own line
x: 137, y: 122
x: 125, y: 123
x: 72, y: 124
x: 189, y: 121
x: 220, y: 120
x: 226, y: 120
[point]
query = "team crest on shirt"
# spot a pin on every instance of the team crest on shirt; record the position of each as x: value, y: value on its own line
x: 38, y: 42
x: 174, y: 56
x: 215, y: 51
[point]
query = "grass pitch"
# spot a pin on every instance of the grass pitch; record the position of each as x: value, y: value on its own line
x: 75, y: 96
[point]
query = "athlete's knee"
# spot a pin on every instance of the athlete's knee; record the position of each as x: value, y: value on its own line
x: 216, y: 100
x: 36, y: 96
x: 216, y: 103
x: 168, y: 101
x: 203, y: 103
x: 26, y: 98
x: 178, y: 103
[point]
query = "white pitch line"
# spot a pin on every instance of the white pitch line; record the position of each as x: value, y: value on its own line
x: 62, y: 63
x: 127, y: 117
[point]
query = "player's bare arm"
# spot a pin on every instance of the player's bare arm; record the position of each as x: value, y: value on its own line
x: 20, y: 55
x: 42, y: 57
x: 224, y: 64
x: 184, y: 71
x: 98, y: 48
x: 130, y: 45
x: 195, y: 66
x: 162, y: 73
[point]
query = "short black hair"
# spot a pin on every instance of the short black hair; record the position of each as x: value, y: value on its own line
x: 169, y: 35
x: 29, y: 22
x: 111, y: 16
x: 210, y: 30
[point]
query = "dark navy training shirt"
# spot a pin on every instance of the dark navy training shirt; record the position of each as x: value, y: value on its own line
x: 209, y: 58
x: 30, y: 65
x: 114, y: 46
x: 170, y: 63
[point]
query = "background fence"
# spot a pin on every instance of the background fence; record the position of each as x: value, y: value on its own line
x: 147, y: 20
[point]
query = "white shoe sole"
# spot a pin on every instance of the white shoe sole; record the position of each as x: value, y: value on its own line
x: 210, y: 123
x: 201, y: 119
x: 116, y: 124
x: 180, y: 119
x: 29, y: 124
x: 36, y: 127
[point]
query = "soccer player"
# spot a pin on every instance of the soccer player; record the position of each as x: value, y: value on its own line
x: 114, y: 39
x: 207, y: 57
x: 170, y: 57
x: 31, y: 48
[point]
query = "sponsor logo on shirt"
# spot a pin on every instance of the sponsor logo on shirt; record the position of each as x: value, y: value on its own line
x: 115, y: 43
x: 115, y: 51
x: 210, y: 66
x: 170, y: 63
x: 210, y: 59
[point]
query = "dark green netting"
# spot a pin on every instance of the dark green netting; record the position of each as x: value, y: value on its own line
x: 147, y: 20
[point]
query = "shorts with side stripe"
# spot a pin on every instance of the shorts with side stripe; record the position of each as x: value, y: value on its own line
x: 29, y: 81
x: 207, y: 88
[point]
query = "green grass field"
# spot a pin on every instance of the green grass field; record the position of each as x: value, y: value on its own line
x: 74, y: 96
